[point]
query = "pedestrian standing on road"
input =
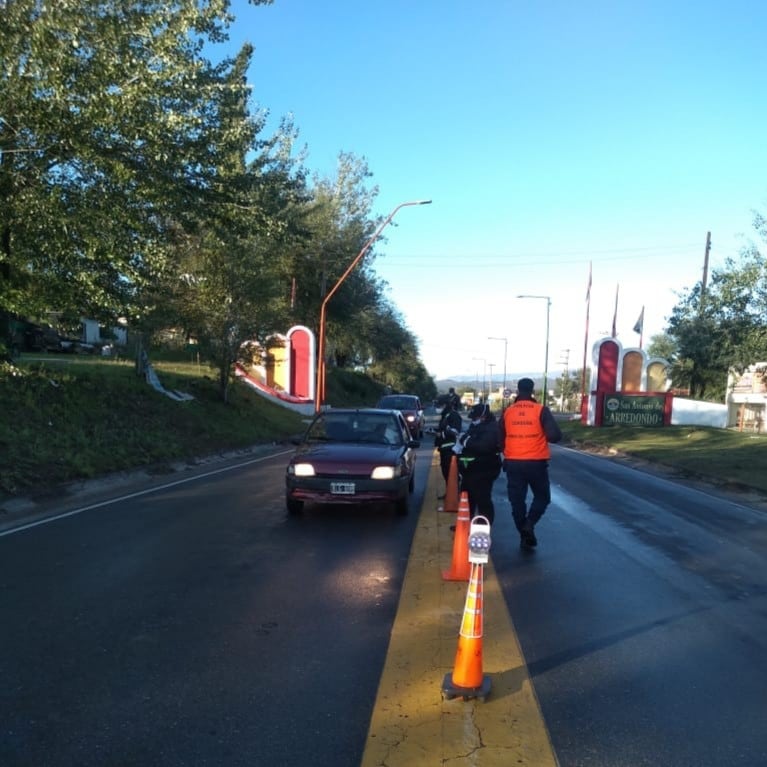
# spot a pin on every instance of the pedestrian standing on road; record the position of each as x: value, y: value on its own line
x: 526, y: 430
x: 479, y: 461
x: 450, y: 426
x: 453, y: 398
x: 451, y: 403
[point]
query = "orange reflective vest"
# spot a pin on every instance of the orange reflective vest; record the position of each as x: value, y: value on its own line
x: 525, y: 437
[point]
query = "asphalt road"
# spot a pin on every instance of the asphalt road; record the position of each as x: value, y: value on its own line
x: 643, y: 619
x: 199, y: 625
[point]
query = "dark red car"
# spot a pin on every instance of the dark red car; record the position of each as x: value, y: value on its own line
x: 410, y: 406
x: 353, y: 456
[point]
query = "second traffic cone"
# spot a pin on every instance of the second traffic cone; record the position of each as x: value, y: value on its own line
x: 467, y: 679
x: 451, y: 492
x: 460, y: 568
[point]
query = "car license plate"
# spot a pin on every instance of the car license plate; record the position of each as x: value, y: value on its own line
x: 342, y: 488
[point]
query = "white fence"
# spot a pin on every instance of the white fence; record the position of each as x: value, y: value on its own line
x: 695, y: 412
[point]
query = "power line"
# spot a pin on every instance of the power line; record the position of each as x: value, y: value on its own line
x: 432, y: 261
x: 590, y: 251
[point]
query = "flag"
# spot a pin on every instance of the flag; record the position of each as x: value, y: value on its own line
x: 639, y: 324
x: 588, y: 288
x: 639, y: 327
x: 615, y: 313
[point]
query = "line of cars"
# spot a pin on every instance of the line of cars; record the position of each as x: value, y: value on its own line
x: 357, y: 456
x: 410, y: 406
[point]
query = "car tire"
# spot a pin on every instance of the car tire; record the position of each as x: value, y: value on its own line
x: 294, y: 507
x: 411, y: 484
x: 403, y: 505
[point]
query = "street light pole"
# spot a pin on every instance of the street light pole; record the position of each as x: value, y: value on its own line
x: 319, y: 394
x: 547, y: 299
x: 491, y: 365
x: 505, y: 348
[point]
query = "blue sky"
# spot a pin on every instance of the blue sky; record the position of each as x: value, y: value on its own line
x: 549, y: 135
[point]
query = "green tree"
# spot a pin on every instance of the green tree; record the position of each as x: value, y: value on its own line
x: 662, y: 345
x: 362, y: 327
x: 337, y: 223
x: 723, y: 328
x: 109, y: 121
x: 225, y: 287
x: 396, y: 363
x: 567, y: 391
x: 133, y: 181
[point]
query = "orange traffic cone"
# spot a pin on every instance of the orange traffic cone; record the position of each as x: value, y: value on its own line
x: 467, y: 680
x: 460, y: 569
x: 451, y: 493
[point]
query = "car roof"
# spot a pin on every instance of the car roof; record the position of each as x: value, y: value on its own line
x: 348, y: 410
x: 354, y: 417
x: 395, y: 397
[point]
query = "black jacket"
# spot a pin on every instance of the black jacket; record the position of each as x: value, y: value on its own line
x: 481, y: 448
x: 449, y: 428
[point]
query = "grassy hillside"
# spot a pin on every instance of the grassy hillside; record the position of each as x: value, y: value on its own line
x: 67, y: 417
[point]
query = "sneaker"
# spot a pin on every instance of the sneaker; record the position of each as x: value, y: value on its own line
x: 527, y: 537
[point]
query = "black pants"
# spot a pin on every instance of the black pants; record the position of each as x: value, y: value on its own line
x: 445, y: 459
x: 479, y: 487
x: 521, y: 475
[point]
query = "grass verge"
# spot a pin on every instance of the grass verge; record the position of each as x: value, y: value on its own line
x: 722, y: 456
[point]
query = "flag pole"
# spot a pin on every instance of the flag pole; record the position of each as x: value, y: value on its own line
x: 584, y: 400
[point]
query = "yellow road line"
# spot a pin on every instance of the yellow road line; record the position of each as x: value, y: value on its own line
x: 411, y: 723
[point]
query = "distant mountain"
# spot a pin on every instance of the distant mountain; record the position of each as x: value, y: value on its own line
x: 460, y: 382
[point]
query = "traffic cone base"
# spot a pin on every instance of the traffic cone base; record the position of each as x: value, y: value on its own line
x: 451, y: 690
x: 460, y: 568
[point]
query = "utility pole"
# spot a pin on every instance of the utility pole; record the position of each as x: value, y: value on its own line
x: 563, y: 393
x: 704, y: 281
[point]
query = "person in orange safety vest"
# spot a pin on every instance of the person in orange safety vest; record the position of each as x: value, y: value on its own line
x: 527, y: 428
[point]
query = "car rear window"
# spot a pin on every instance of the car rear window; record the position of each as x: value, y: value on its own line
x: 375, y: 428
x: 399, y: 403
